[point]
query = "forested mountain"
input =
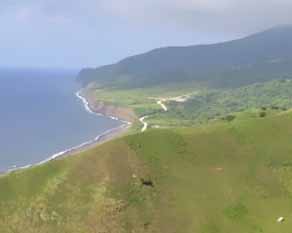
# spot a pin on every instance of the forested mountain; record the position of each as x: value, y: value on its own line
x: 260, y: 57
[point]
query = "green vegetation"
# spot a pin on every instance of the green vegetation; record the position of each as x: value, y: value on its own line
x: 142, y: 100
x: 203, y: 105
x: 257, y: 58
x: 228, y: 176
x: 232, y: 173
x: 214, y: 104
x: 251, y: 73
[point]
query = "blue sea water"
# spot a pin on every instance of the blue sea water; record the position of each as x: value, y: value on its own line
x: 40, y: 115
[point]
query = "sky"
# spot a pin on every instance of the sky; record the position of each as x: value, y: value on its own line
x: 90, y: 33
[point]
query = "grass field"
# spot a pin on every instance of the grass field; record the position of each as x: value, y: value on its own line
x: 224, y: 177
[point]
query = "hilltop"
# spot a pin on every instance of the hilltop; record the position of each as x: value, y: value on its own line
x: 222, y: 177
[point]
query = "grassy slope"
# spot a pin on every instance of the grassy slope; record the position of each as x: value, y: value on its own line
x: 225, y: 177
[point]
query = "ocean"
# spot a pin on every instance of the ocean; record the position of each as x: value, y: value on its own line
x: 41, y: 116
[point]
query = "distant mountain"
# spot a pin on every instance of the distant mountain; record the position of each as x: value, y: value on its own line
x: 260, y: 57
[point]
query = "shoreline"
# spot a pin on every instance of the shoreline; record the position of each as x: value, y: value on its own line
x: 99, y: 139
x: 91, y: 110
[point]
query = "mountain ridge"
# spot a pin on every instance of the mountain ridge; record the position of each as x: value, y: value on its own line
x: 233, y: 63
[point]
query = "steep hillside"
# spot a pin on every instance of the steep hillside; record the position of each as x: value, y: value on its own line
x: 225, y: 177
x: 260, y: 57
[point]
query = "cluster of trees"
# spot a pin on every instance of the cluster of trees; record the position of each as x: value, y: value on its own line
x: 220, y: 104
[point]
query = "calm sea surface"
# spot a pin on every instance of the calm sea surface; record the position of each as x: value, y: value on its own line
x: 40, y: 116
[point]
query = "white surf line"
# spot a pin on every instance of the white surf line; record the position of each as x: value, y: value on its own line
x: 87, y: 143
x: 89, y: 110
x: 68, y: 151
x: 145, y: 124
x: 85, y: 103
x: 74, y: 148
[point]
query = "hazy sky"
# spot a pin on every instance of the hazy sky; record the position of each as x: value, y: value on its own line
x: 79, y: 33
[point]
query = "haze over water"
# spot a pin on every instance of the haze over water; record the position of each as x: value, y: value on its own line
x: 40, y: 116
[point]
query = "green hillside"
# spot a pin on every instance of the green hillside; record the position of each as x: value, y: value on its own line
x: 224, y: 177
x: 214, y: 104
x: 260, y: 57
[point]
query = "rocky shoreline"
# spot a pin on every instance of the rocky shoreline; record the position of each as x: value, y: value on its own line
x: 107, y: 109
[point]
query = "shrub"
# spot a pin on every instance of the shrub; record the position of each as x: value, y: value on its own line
x: 275, y: 108
x: 262, y: 114
x: 229, y: 118
x: 284, y: 109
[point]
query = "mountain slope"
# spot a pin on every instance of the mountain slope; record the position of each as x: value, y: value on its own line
x: 225, y: 177
x: 260, y: 57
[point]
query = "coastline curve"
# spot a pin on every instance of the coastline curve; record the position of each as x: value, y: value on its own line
x: 98, y: 139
